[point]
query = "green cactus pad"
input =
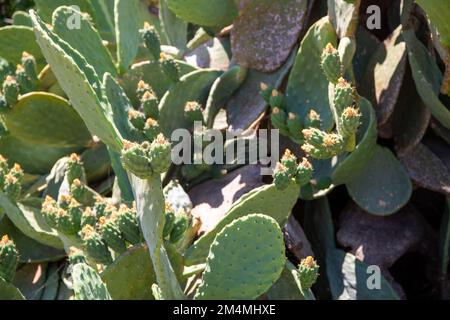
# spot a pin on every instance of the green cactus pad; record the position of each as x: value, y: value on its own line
x: 208, y: 13
x: 11, y: 49
x: 307, y: 82
x: 191, y: 87
x: 384, y: 187
x: 120, y: 276
x: 427, y: 76
x: 80, y: 83
x: 120, y: 106
x: 21, y: 18
x: 127, y: 32
x: 9, y: 292
x: 85, y: 39
x: 87, y: 284
x: 175, y: 29
x: 34, y: 159
x: 44, y: 118
x: 439, y: 13
x: 221, y: 91
x: 246, y: 258
x: 30, y: 221
x: 268, y: 200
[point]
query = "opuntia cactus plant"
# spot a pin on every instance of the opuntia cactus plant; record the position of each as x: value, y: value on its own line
x: 230, y: 150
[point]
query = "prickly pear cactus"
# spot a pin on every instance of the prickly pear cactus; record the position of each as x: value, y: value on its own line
x: 223, y: 149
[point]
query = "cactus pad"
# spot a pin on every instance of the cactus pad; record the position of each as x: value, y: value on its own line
x: 245, y: 260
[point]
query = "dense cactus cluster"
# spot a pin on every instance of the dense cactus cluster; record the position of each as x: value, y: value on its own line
x: 97, y: 100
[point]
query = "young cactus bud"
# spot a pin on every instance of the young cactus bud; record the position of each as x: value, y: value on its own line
x: 77, y: 190
x: 294, y: 126
x: 160, y: 154
x: 170, y: 67
x: 289, y: 160
x: 276, y: 99
x: 25, y: 84
x: 112, y: 235
x: 94, y: 246
x: 170, y: 221
x: 65, y: 224
x: 110, y: 211
x: 151, y: 129
x: 75, y: 211
x: 266, y: 92
x: 50, y: 211
x: 193, y: 112
x: 135, y: 159
x: 129, y: 225
x: 12, y: 187
x: 321, y: 145
x: 64, y: 201
x: 9, y: 259
x: 350, y: 121
x: 308, y: 272
x: 76, y: 256
x: 182, y: 223
x: 75, y: 168
x: 150, y: 104
x: 281, y: 176
x: 137, y: 119
x: 4, y: 106
x: 17, y: 172
x: 100, y: 206
x: 3, y: 171
x: 88, y: 218
x: 11, y: 90
x: 151, y: 40
x: 331, y: 63
x: 142, y: 88
x: 343, y: 95
x: 313, y: 120
x: 279, y: 120
x: 304, y: 173
x: 29, y: 64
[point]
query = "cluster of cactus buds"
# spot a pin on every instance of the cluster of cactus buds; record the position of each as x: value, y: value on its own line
x: 288, y: 123
x: 152, y: 42
x: 288, y: 170
x: 325, y: 145
x: 177, y: 224
x: 64, y: 216
x: 308, y: 272
x: 147, y: 159
x: 101, y: 229
x: 10, y: 179
x: 24, y: 80
x: 322, y: 145
x: 145, y: 120
x: 9, y: 259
